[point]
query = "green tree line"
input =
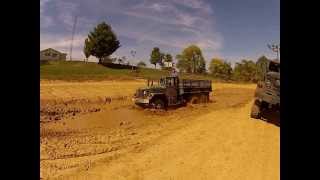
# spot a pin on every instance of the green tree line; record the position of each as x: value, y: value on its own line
x: 102, y: 42
x: 245, y: 70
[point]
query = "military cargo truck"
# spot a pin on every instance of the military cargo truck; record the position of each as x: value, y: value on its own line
x: 267, y: 94
x: 172, y: 91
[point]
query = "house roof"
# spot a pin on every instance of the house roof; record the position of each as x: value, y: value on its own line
x: 50, y: 49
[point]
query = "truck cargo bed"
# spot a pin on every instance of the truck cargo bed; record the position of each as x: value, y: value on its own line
x: 190, y: 86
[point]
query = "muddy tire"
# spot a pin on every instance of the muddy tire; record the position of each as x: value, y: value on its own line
x: 195, y: 100
x: 204, y: 98
x: 255, y: 112
x: 158, y: 104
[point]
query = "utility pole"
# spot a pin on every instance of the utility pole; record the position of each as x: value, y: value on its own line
x: 73, y: 31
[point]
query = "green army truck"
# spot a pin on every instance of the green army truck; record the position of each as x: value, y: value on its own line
x: 172, y: 91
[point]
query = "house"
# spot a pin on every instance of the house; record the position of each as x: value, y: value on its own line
x: 52, y: 55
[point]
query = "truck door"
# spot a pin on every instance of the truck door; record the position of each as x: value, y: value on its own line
x: 171, y: 90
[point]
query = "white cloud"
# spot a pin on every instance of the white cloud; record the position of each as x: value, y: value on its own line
x: 186, y: 19
x: 62, y: 43
x: 159, y: 7
x: 181, y: 21
x: 45, y: 21
x: 195, y: 4
x: 42, y: 5
x: 164, y: 23
x: 165, y: 13
x: 67, y: 12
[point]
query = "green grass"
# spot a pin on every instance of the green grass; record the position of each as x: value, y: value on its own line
x: 80, y: 71
x: 66, y: 70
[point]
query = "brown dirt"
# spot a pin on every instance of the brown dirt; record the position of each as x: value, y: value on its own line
x: 217, y: 140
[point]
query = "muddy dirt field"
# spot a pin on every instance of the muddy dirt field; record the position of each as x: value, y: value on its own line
x: 92, y: 130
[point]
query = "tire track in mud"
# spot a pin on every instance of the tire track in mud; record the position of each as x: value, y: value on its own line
x: 224, y: 144
x: 134, y: 133
x: 57, y: 109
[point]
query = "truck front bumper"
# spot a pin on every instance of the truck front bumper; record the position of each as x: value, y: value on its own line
x: 141, y: 101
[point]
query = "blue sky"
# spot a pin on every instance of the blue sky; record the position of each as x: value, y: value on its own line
x: 228, y: 29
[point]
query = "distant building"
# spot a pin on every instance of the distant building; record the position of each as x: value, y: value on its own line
x: 52, y: 55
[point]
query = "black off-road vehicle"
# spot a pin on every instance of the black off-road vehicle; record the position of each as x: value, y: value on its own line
x: 172, y: 91
x: 267, y: 94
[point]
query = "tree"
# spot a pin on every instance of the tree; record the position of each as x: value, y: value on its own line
x: 162, y: 58
x: 141, y: 64
x: 191, y: 60
x: 87, y: 49
x: 183, y: 65
x: 102, y: 41
x: 168, y: 58
x: 220, y: 69
x: 155, y: 56
x: 262, y: 65
x: 246, y: 70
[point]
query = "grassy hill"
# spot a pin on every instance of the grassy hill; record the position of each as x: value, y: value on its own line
x: 78, y: 71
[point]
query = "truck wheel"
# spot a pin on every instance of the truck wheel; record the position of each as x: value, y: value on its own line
x: 204, y: 98
x: 255, y: 111
x: 158, y: 104
x: 194, y: 100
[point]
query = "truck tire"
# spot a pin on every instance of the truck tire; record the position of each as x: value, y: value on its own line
x: 204, y: 98
x: 255, y: 111
x: 195, y: 100
x: 158, y: 104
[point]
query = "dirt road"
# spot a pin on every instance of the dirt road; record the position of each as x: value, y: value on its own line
x: 214, y: 141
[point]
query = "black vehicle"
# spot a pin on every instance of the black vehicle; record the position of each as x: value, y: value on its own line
x: 172, y: 91
x: 267, y: 94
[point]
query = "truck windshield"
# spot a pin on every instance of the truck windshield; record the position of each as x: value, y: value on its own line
x: 166, y: 82
x: 169, y: 81
x: 162, y: 82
